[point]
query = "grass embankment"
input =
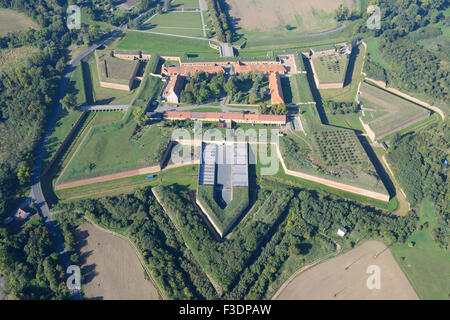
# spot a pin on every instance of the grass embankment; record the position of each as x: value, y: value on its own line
x: 166, y: 45
x: 223, y: 218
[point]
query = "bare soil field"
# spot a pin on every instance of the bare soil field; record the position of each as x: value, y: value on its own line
x: 304, y: 15
x: 345, y: 278
x: 110, y: 268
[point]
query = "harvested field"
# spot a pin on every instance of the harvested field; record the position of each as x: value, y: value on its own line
x: 110, y: 267
x: 11, y: 21
x: 385, y: 113
x: 345, y: 278
x: 302, y: 16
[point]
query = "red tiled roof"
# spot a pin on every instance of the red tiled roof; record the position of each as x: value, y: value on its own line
x: 276, y: 91
x: 185, y: 70
x: 266, y: 68
x: 216, y: 116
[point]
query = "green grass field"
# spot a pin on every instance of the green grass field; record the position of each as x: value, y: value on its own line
x: 149, y: 89
x: 99, y: 94
x: 179, y: 23
x: 177, y: 20
x: 223, y: 217
x: 166, y: 45
x: 60, y: 131
x: 301, y: 91
x: 77, y: 85
x: 425, y: 264
x: 115, y: 147
x: 177, y: 4
x: 348, y: 93
x: 329, y: 152
x: 11, y: 21
x: 385, y: 112
x: 111, y: 69
x: 185, y: 177
x: 331, y: 68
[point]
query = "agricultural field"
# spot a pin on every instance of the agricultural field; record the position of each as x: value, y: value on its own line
x: 425, y: 264
x: 114, y: 147
x: 110, y: 267
x: 345, y: 278
x: 284, y: 17
x: 386, y: 113
x: 331, y: 68
x: 166, y: 45
x: 180, y: 23
x: 11, y: 21
x: 329, y: 152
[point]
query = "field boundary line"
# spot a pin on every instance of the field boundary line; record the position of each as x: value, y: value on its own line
x: 137, y: 252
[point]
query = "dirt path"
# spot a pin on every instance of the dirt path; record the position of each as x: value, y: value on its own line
x: 110, y: 267
x: 345, y: 277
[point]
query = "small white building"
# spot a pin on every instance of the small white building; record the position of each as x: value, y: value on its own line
x: 21, y: 214
x: 342, y: 232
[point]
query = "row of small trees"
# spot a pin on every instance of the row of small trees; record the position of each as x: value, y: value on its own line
x: 221, y: 20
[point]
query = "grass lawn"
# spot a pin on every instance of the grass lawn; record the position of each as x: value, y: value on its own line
x: 116, y: 147
x: 149, y: 89
x: 177, y: 19
x: 385, y: 112
x: 183, y: 176
x: 348, y: 93
x: 331, y: 68
x: 425, y: 264
x: 301, y: 91
x: 77, y: 85
x: 60, y: 131
x: 166, y: 45
x: 103, y: 95
x: 11, y: 21
x: 223, y: 217
x: 178, y: 4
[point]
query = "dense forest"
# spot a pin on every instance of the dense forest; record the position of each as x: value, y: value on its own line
x: 27, y: 91
x: 172, y: 265
x: 248, y: 261
x: 202, y: 86
x: 410, y: 66
x: 31, y: 269
x: 426, y: 173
